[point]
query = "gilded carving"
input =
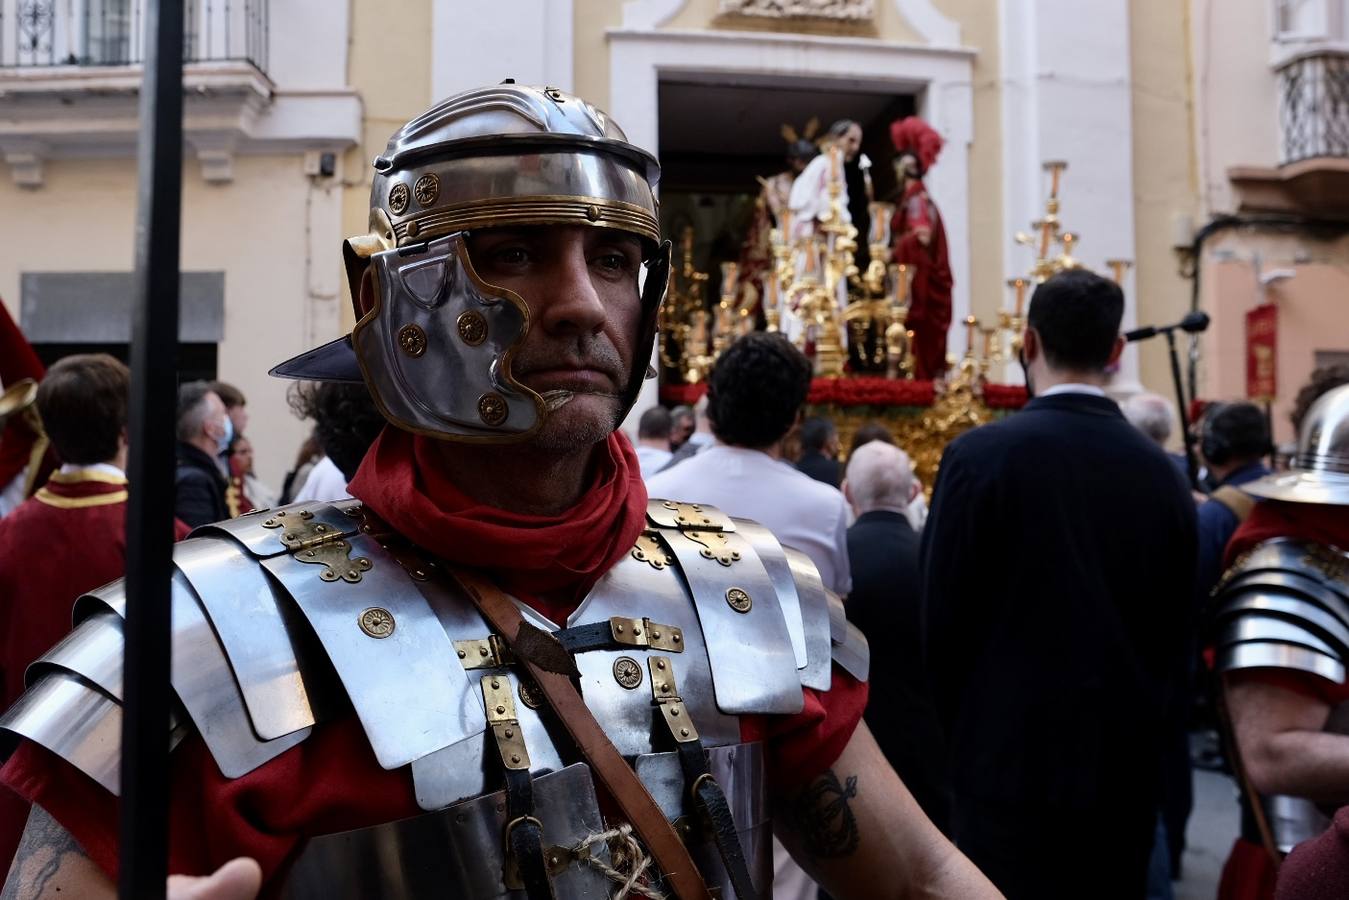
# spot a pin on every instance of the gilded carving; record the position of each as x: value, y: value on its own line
x: 843, y: 10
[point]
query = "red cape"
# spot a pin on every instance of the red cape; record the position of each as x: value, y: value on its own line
x: 930, y: 294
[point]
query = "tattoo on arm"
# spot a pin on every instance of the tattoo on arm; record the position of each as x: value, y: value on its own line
x: 45, y: 846
x: 823, y: 818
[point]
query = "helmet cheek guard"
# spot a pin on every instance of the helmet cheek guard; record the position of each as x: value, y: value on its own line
x: 435, y: 343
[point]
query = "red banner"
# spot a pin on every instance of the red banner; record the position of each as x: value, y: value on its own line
x: 1262, y: 332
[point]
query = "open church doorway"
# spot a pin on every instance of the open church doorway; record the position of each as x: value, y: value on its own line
x: 719, y: 133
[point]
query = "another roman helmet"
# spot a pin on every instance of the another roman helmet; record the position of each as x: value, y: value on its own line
x: 1320, y: 470
x: 435, y: 347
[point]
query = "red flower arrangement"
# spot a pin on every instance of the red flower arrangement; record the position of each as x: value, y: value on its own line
x: 865, y: 392
x: 1004, y: 396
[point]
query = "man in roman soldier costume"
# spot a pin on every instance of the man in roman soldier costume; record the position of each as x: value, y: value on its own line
x: 920, y: 243
x: 1281, y: 643
x: 501, y: 670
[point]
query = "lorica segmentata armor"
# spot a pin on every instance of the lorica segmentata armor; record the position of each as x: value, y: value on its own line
x: 285, y: 619
x: 1285, y: 605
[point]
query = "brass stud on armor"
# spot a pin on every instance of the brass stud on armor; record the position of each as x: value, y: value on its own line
x: 377, y: 622
x: 501, y: 710
x: 414, y: 229
x: 427, y: 190
x: 530, y: 695
x: 739, y: 599
x: 412, y: 340
x: 492, y: 409
x: 593, y: 213
x: 398, y: 198
x: 627, y: 673
x: 472, y: 327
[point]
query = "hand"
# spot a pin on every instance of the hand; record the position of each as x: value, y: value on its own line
x: 238, y: 879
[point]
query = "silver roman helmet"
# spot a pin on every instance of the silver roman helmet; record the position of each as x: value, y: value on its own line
x: 435, y: 348
x: 1320, y: 470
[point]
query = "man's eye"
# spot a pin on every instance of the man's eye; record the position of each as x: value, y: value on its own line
x: 510, y: 256
x: 617, y: 262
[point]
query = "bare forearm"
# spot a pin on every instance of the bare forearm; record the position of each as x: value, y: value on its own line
x: 51, y: 864
x: 1312, y: 764
x: 858, y: 819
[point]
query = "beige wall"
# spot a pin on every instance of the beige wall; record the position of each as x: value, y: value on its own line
x: 1164, y: 172
x: 1313, y: 311
x: 390, y: 65
x: 251, y: 229
x: 988, y: 270
x: 1236, y: 94
x: 590, y: 59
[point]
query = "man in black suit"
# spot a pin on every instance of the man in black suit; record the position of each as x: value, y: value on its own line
x: 819, y: 451
x: 1058, y: 565
x: 883, y: 557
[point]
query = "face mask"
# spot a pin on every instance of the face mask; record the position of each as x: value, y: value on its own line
x: 1030, y: 388
x: 226, y: 436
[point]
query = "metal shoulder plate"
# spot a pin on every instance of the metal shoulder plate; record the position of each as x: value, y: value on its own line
x: 265, y: 609
x: 1285, y: 604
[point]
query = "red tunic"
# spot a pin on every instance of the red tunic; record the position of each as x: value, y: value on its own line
x: 930, y: 295
x: 65, y: 540
x: 331, y: 781
x: 1249, y: 873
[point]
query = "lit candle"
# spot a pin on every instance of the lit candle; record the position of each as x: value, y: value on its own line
x: 971, y: 323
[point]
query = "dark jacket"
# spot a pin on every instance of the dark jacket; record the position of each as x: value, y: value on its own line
x: 200, y: 488
x: 821, y: 468
x: 883, y: 553
x: 1058, y: 569
x: 1217, y: 523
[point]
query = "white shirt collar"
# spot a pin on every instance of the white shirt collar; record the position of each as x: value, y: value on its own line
x: 1072, y: 388
x: 101, y: 468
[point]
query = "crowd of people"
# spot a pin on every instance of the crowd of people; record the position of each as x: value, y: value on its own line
x: 1026, y: 646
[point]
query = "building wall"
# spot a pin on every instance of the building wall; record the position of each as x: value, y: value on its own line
x: 1236, y: 95
x: 1312, y: 297
x: 1165, y: 201
x: 254, y: 230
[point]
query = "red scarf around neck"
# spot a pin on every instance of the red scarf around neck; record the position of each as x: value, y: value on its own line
x: 549, y: 561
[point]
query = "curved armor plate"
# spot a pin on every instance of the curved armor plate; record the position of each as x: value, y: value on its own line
x: 1283, y: 605
x: 735, y: 623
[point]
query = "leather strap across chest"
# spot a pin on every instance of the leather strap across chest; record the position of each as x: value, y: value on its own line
x: 614, y: 773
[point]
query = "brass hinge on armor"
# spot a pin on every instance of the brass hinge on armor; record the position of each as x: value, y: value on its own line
x: 646, y: 633
x: 490, y: 652
x: 706, y: 794
x: 320, y: 544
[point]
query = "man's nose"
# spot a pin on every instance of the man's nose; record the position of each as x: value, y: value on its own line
x: 569, y: 302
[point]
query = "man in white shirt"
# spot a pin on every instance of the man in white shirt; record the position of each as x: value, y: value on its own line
x: 754, y: 397
x: 809, y: 198
x: 653, y: 440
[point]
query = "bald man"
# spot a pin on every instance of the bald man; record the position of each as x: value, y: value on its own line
x: 883, y: 551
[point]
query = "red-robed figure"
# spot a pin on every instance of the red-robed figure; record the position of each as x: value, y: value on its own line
x: 920, y: 242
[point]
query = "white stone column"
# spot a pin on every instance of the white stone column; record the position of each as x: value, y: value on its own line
x: 1067, y: 89
x: 528, y: 40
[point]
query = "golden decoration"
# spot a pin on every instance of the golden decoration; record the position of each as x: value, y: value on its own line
x: 472, y: 327
x: 492, y: 409
x: 398, y: 198
x: 627, y: 672
x: 739, y: 599
x: 377, y: 622
x: 427, y: 190
x: 714, y: 545
x: 530, y: 693
x: 412, y: 339
x: 650, y: 551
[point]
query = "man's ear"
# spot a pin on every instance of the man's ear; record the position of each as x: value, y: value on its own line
x: 1116, y: 350
x: 365, y: 299
x: 1030, y: 344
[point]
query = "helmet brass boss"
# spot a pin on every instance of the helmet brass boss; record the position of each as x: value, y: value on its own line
x: 435, y: 345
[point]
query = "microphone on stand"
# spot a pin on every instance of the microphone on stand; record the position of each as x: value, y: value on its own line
x: 1193, y: 323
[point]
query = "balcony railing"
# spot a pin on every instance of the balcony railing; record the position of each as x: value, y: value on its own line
x: 111, y: 32
x: 1314, y: 106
